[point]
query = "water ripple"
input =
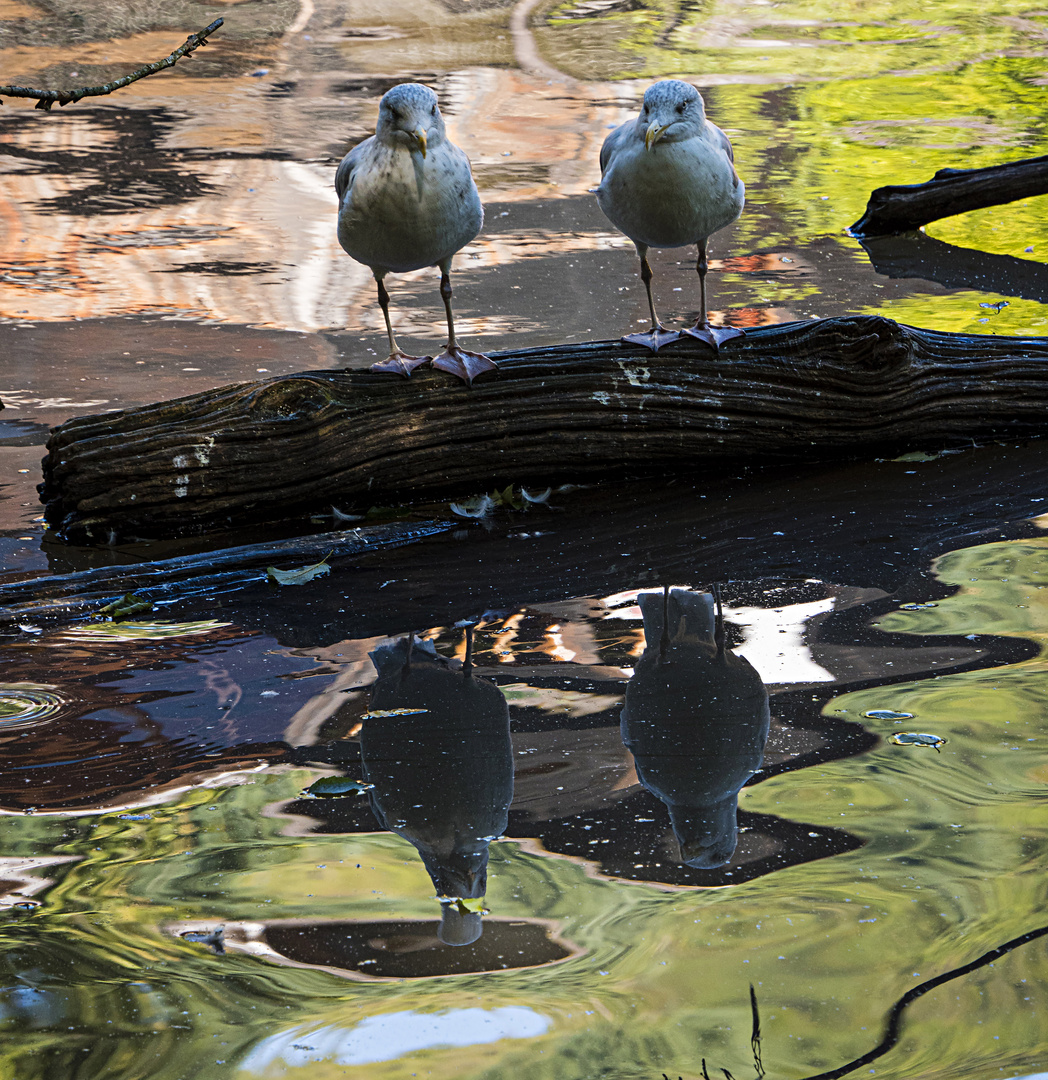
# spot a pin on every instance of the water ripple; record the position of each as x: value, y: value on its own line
x: 23, y: 704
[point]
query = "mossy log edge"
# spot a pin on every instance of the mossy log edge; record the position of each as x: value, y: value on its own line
x: 258, y: 451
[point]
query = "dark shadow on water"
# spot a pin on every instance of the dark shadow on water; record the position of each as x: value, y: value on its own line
x: 873, y: 526
x: 23, y: 433
x: 406, y: 948
x: 916, y: 255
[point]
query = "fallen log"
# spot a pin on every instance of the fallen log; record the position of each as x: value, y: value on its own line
x: 899, y: 208
x: 260, y: 451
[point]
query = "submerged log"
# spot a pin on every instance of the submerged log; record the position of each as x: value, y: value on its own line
x: 901, y: 208
x: 800, y: 391
x: 206, y: 574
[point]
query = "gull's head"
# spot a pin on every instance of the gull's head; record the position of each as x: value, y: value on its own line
x: 408, y: 116
x: 672, y: 110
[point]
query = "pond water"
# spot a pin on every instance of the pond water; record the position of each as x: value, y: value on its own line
x: 852, y: 853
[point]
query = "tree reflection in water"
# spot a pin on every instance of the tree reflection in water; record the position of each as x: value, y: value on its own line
x: 893, y: 1023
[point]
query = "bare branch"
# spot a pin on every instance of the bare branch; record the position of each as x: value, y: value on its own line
x: 902, y: 208
x: 47, y: 98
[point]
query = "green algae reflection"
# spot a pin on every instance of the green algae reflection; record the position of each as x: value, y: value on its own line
x: 826, y: 102
x: 98, y: 978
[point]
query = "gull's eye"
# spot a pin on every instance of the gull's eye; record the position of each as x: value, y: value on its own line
x: 681, y: 107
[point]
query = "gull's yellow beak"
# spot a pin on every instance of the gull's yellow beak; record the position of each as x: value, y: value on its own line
x: 654, y: 133
x: 420, y: 138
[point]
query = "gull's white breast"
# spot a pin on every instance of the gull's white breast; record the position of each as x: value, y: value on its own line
x: 677, y: 193
x: 403, y: 212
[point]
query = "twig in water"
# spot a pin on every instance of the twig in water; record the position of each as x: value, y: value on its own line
x: 755, y: 1038
x: 47, y: 98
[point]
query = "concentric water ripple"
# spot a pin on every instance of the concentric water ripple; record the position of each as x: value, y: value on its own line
x: 22, y: 704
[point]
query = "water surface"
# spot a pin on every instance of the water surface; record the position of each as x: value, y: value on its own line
x: 156, y: 777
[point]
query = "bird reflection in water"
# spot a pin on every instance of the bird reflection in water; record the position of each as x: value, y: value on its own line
x: 696, y: 720
x: 436, y: 747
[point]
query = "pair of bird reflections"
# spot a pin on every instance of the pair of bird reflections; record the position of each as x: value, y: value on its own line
x: 438, y: 761
x: 407, y: 200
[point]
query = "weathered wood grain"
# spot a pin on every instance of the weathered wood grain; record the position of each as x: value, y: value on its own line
x: 800, y: 391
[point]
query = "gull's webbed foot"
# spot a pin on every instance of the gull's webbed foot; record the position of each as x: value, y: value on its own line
x: 714, y: 336
x: 399, y: 363
x: 465, y: 365
x: 654, y: 338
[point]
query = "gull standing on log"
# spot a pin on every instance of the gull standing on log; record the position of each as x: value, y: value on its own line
x: 668, y: 179
x: 407, y: 200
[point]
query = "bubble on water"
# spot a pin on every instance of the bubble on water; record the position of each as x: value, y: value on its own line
x: 916, y: 738
x: 888, y: 714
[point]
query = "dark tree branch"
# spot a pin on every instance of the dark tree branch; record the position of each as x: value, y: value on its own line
x: 47, y: 98
x: 210, y: 573
x: 904, y: 207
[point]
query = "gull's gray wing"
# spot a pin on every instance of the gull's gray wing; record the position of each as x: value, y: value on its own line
x: 616, y: 139
x: 722, y: 140
x: 344, y: 173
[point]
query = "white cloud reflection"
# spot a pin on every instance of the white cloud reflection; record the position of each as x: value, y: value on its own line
x: 392, y: 1035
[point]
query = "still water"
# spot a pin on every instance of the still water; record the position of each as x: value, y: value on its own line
x: 851, y: 849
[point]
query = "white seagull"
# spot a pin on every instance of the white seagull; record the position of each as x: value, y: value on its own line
x: 668, y: 179
x: 407, y: 200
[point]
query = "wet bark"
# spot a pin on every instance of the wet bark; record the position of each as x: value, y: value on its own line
x: 901, y: 208
x: 207, y: 574
x: 801, y: 391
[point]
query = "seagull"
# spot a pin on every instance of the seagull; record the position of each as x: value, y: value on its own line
x: 668, y: 179
x: 406, y: 199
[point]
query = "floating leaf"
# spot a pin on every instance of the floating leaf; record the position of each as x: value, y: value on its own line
x: 916, y: 738
x: 916, y: 455
x: 215, y: 938
x: 476, y: 507
x: 302, y: 575
x: 335, y: 787
x: 888, y: 714
x: 377, y: 714
x: 466, y: 905
x: 129, y: 604
x: 509, y: 497
x: 130, y: 631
